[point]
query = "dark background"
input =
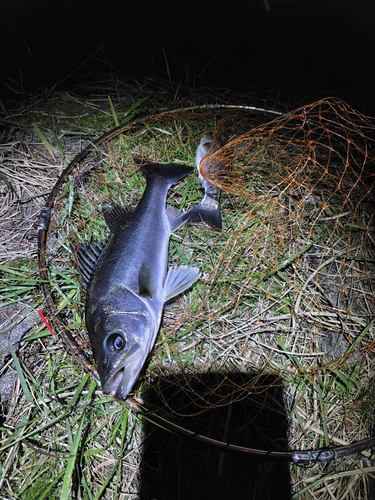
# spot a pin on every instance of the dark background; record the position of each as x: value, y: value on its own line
x: 295, y: 47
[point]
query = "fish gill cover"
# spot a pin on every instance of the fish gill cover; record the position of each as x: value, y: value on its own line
x: 283, y: 316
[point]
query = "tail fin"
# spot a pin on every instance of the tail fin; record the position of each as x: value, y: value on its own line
x: 204, y: 211
x: 173, y: 172
x: 208, y: 209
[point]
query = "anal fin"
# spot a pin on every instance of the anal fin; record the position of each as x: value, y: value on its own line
x: 174, y: 217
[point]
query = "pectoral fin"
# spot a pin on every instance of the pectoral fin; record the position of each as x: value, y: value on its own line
x: 179, y: 279
x: 147, y: 284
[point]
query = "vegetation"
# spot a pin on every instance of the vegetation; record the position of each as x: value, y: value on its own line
x: 271, y: 349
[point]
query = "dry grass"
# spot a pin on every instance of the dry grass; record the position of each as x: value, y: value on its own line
x: 271, y: 348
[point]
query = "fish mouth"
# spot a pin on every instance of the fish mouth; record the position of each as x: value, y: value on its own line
x: 120, y: 381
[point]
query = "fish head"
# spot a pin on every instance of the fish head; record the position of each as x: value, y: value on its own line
x: 122, y: 338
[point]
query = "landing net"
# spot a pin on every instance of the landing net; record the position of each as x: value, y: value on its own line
x: 274, y: 346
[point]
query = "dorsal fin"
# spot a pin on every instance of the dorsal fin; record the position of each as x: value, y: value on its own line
x: 113, y: 215
x: 88, y: 255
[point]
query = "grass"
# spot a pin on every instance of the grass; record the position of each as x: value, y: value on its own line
x: 283, y: 317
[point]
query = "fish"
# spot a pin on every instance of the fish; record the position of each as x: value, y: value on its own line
x: 209, y: 208
x: 128, y: 281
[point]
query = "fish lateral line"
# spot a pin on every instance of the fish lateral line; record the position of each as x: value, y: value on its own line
x: 130, y: 313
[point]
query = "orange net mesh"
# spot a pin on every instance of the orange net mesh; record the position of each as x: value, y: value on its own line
x: 324, y: 149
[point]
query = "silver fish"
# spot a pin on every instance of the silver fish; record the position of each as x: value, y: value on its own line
x: 128, y: 281
x: 209, y: 208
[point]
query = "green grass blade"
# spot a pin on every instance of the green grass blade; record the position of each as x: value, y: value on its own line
x: 43, y: 138
x: 46, y: 491
x: 72, y: 461
x: 66, y: 487
x: 356, y: 342
x: 19, y: 371
x: 16, y: 437
x: 113, y: 111
x: 58, y: 142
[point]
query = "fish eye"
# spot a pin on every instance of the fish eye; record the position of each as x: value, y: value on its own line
x: 116, y: 342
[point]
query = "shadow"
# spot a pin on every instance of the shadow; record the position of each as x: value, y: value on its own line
x: 239, y: 408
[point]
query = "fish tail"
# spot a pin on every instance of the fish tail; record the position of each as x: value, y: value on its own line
x: 206, y: 145
x: 208, y: 210
x: 171, y: 172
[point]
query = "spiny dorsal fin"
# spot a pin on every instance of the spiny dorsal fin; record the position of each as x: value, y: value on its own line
x: 113, y: 215
x: 88, y: 255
